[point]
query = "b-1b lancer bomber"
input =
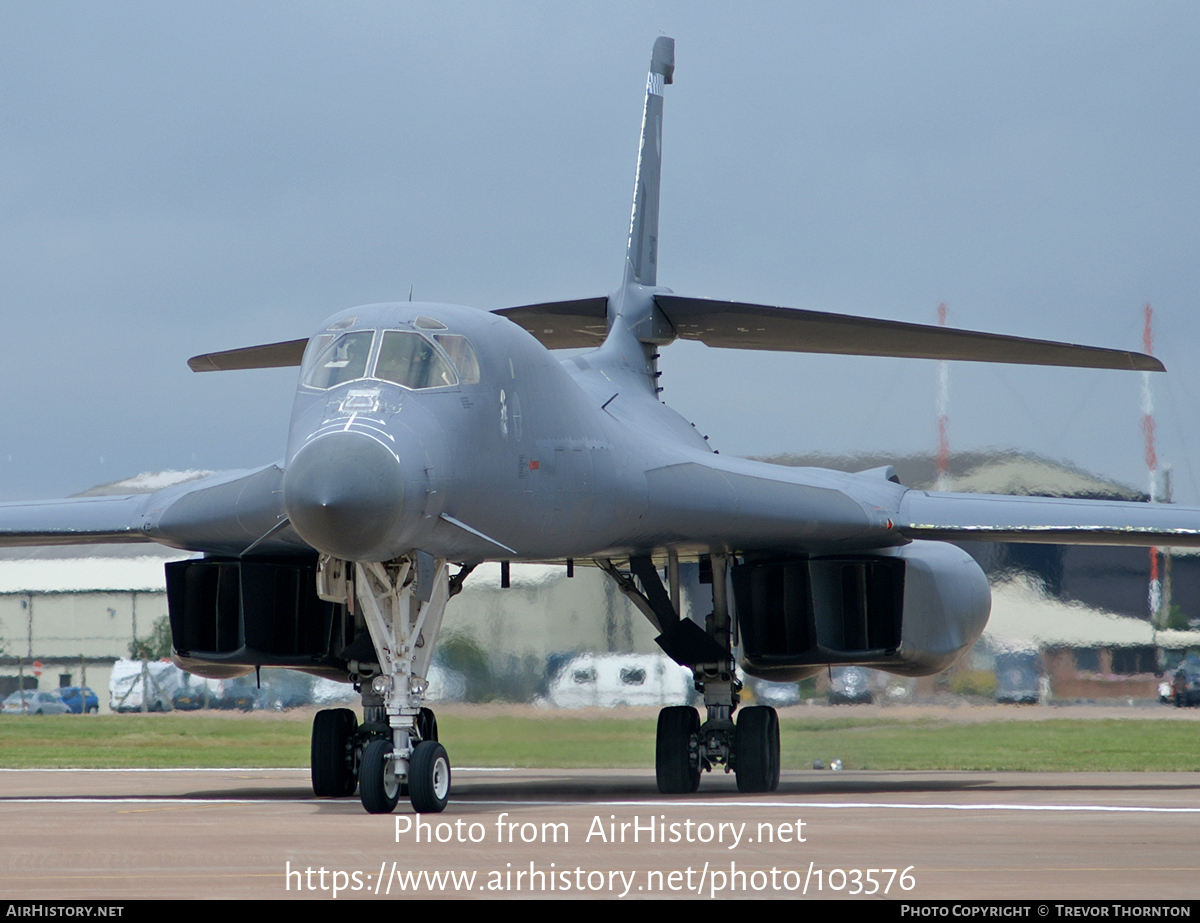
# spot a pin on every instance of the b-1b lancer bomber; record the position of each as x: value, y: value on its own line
x: 428, y: 438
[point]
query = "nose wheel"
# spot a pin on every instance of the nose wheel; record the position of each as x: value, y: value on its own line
x: 424, y: 777
x: 379, y: 782
x: 429, y: 778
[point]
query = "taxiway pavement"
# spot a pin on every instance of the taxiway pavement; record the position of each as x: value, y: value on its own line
x: 124, y: 834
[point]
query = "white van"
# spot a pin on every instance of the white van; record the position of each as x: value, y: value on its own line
x: 620, y: 679
x: 163, y: 679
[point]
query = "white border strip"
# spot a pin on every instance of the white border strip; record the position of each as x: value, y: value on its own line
x: 851, y: 805
x: 304, y: 769
x: 774, y: 805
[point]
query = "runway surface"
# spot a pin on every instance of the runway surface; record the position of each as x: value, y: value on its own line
x: 124, y: 834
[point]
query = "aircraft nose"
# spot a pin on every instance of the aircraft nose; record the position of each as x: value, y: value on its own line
x: 344, y: 494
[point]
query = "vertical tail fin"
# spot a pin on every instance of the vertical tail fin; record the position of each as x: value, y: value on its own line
x: 641, y: 257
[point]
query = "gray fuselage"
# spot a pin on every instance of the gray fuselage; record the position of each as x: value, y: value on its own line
x: 540, y: 459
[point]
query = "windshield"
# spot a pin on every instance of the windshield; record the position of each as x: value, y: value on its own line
x: 343, y: 360
x: 410, y: 360
x: 462, y: 354
x: 404, y: 358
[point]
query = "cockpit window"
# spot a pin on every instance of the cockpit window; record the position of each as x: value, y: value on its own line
x: 410, y: 360
x: 462, y: 354
x: 343, y: 360
x: 404, y: 358
x: 314, y: 349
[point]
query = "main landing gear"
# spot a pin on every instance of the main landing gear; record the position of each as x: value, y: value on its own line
x: 684, y: 747
x: 336, y: 752
x: 395, y: 751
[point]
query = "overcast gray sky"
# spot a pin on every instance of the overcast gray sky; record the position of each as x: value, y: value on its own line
x: 179, y: 177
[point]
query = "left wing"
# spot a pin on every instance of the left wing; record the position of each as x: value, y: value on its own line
x: 563, y: 324
x: 737, y: 325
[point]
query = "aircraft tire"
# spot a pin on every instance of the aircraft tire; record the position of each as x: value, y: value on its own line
x: 674, y: 769
x: 429, y: 778
x: 332, y: 756
x: 427, y: 728
x: 757, y: 749
x: 378, y: 786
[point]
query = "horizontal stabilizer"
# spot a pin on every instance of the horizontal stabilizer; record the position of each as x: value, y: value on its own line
x: 563, y: 324
x: 735, y: 325
x: 268, y: 356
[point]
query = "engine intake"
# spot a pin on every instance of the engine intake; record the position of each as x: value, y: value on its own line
x: 912, y: 610
x: 228, y: 613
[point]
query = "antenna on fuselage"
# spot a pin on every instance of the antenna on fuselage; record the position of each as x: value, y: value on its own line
x: 410, y: 288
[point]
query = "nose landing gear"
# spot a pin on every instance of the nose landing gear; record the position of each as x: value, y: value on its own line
x: 395, y: 752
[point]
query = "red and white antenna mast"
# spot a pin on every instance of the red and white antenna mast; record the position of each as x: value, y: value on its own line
x: 942, y: 481
x: 1155, y: 591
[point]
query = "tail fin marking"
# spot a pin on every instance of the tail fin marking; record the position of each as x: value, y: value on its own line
x: 641, y: 255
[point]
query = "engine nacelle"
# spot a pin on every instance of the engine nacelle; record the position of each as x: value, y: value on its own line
x: 912, y: 610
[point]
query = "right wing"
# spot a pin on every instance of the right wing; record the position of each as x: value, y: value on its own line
x: 985, y: 517
x: 268, y: 356
x: 79, y: 521
x: 228, y: 513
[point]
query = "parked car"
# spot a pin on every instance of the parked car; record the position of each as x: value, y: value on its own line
x: 777, y: 695
x: 286, y: 689
x: 280, y: 689
x: 1018, y: 676
x: 33, y: 702
x: 1186, y: 686
x: 78, y: 703
x: 240, y: 692
x: 850, y: 686
x: 191, y: 695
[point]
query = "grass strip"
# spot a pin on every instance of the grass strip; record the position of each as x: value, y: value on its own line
x: 565, y: 741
